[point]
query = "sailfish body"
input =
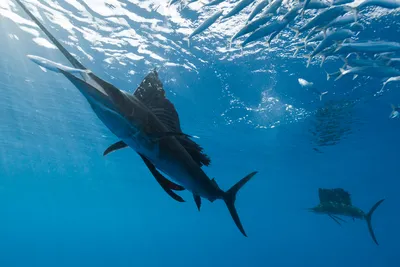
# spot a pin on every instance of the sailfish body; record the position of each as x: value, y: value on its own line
x: 147, y: 122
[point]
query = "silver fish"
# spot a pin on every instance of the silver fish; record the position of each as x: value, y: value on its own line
x: 389, y: 4
x: 395, y: 110
x: 252, y: 26
x: 373, y: 71
x: 257, y: 9
x: 342, y: 21
x: 239, y: 7
x: 341, y: 2
x: 265, y: 31
x: 391, y: 79
x: 324, y: 18
x: 330, y: 39
x: 207, y: 23
x: 368, y: 47
x: 213, y: 3
x: 273, y: 7
x: 394, y: 62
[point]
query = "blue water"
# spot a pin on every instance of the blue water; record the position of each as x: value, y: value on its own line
x: 63, y: 204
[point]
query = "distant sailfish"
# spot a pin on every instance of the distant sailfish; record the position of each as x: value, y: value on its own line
x: 207, y: 23
x: 337, y: 202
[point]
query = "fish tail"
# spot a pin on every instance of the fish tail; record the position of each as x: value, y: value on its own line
x: 309, y: 60
x: 296, y: 51
x: 346, y: 62
x: 297, y: 31
x: 322, y: 94
x: 328, y: 76
x: 342, y: 73
x: 338, y: 47
x: 230, y: 198
x: 322, y: 61
x: 355, y: 14
x: 368, y: 217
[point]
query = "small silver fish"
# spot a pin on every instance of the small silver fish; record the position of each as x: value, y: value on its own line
x: 207, y: 23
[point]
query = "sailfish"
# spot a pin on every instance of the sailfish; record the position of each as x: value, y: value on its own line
x: 147, y: 122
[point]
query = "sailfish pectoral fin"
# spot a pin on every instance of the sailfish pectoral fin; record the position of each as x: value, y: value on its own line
x: 333, y: 218
x: 336, y: 219
x: 197, y: 199
x: 164, y: 182
x: 116, y: 146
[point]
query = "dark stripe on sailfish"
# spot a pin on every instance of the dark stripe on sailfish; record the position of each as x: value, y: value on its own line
x: 207, y: 23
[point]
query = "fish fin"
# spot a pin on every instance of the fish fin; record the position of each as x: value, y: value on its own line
x: 368, y: 218
x: 230, y: 198
x: 355, y: 76
x: 164, y: 182
x: 296, y: 30
x: 115, y: 146
x: 214, y: 182
x: 195, y: 151
x: 345, y: 60
x: 340, y: 219
x: 309, y: 60
x: 151, y: 93
x: 355, y: 15
x: 322, y: 94
x: 339, y: 46
x: 197, y: 200
x: 333, y: 218
x: 328, y: 76
x: 322, y: 61
x: 342, y: 73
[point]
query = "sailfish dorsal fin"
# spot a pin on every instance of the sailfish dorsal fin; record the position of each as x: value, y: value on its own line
x: 151, y: 93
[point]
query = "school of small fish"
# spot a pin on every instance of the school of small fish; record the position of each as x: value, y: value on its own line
x: 332, y: 32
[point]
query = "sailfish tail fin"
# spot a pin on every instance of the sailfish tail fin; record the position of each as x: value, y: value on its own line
x: 368, y: 217
x: 230, y: 197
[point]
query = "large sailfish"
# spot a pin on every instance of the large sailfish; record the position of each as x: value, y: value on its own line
x: 147, y: 122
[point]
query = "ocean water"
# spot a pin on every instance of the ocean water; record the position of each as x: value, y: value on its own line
x: 62, y: 203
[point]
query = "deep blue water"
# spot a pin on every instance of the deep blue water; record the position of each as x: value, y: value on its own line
x: 63, y: 204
